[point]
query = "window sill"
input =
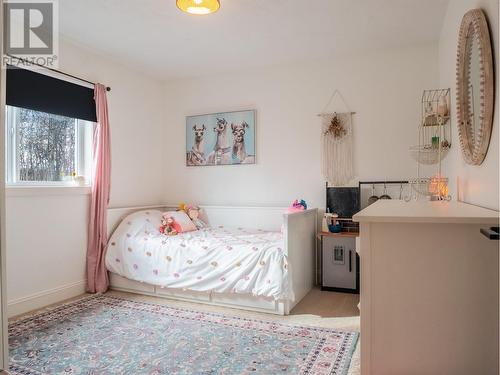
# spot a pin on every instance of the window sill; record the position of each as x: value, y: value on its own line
x: 41, y: 190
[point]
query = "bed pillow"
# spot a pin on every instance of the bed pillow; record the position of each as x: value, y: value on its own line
x: 182, y: 221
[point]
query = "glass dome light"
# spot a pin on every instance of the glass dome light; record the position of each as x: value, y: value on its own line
x: 198, y: 6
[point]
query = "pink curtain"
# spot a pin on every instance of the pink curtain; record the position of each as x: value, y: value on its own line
x: 97, y: 275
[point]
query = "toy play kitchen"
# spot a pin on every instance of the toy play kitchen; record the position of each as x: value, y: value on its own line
x: 339, y: 268
x: 339, y: 260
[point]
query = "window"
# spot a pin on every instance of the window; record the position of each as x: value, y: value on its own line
x: 46, y: 149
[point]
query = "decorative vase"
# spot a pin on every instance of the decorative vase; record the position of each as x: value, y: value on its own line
x: 442, y: 109
x: 435, y: 142
x: 80, y: 180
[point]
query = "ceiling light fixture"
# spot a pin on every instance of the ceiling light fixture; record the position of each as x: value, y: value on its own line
x: 198, y: 6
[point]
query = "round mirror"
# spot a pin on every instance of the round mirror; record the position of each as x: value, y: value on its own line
x: 475, y: 87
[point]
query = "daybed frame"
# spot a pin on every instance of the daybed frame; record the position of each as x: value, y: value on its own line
x: 299, y: 231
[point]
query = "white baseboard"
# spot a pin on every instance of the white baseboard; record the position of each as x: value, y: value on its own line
x: 44, y: 298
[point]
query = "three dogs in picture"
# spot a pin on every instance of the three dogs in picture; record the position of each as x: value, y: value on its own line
x: 220, y: 139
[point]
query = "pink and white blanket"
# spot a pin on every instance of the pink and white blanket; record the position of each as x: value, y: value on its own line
x: 223, y: 260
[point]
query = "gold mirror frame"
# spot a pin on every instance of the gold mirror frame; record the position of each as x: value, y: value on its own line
x: 475, y: 148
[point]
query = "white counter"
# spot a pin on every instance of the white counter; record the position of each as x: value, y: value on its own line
x: 426, y: 212
x: 429, y: 289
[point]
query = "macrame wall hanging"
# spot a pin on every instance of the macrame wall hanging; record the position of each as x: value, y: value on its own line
x: 337, y: 144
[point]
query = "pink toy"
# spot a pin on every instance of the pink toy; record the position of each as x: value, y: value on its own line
x: 297, y: 206
x: 168, y: 226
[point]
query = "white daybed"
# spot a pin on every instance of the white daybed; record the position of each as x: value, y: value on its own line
x: 299, y: 231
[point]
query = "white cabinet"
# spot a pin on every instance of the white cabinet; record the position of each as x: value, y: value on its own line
x: 429, y: 289
x: 340, y: 269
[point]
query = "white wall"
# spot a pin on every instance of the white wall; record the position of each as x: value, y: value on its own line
x: 384, y: 88
x: 136, y: 117
x: 473, y: 184
x: 46, y: 246
x: 47, y: 232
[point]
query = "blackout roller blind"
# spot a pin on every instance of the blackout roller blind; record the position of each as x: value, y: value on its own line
x: 28, y: 89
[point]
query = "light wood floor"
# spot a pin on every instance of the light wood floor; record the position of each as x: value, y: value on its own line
x: 328, y: 304
x: 318, y: 308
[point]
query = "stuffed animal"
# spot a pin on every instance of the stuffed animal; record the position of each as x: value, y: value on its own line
x: 194, y: 214
x: 297, y: 205
x: 168, y: 226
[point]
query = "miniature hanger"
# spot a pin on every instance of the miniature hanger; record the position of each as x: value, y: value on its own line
x: 335, y: 93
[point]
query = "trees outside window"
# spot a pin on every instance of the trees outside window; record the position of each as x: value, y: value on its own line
x: 46, y: 148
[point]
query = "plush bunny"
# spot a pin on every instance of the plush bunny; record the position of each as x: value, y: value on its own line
x: 194, y: 213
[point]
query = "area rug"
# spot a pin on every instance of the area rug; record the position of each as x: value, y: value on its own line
x: 112, y: 335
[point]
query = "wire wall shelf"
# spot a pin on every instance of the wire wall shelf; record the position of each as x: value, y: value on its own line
x: 434, y: 143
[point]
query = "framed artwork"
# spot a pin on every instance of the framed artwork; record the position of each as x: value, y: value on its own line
x: 224, y: 138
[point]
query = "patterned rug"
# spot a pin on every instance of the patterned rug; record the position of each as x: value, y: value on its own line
x: 111, y: 335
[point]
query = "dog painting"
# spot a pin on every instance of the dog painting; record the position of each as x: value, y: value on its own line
x: 220, y: 139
